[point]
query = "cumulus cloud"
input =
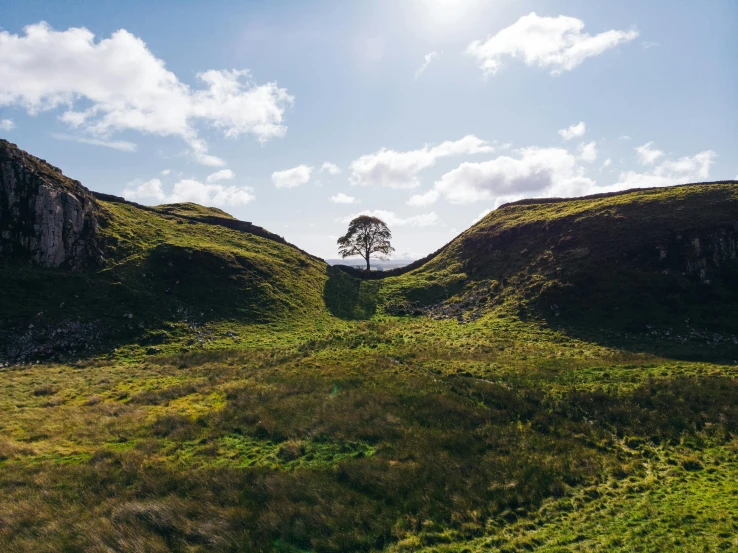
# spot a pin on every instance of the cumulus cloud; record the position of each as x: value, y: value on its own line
x: 647, y: 154
x: 399, y: 169
x: 166, y: 172
x: 189, y: 190
x: 683, y: 170
x: 6, y: 125
x: 573, y: 131
x: 291, y: 178
x: 554, y: 43
x: 120, y: 145
x: 424, y: 199
x: 223, y: 174
x: 588, y: 151
x: 392, y: 219
x: 606, y: 163
x: 534, y: 171
x: 147, y: 190
x: 427, y: 59
x: 556, y: 172
x: 117, y: 84
x: 199, y: 153
x: 330, y: 168
x: 342, y: 198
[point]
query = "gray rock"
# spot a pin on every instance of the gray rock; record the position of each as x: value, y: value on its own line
x: 45, y: 216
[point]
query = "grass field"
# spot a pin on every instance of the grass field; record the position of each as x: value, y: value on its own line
x: 561, y: 377
x: 395, y: 433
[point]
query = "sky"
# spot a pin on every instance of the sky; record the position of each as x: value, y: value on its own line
x: 298, y: 116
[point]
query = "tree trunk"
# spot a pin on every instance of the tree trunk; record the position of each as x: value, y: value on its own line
x: 367, y: 263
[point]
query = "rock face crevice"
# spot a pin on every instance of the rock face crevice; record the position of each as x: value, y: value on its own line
x: 45, y: 217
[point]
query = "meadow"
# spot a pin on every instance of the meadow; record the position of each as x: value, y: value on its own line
x: 560, y: 377
x: 386, y: 434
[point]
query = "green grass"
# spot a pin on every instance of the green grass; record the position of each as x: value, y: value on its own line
x: 626, y: 262
x: 392, y: 433
x: 168, y: 283
x: 258, y: 400
x: 193, y: 210
x: 668, y: 508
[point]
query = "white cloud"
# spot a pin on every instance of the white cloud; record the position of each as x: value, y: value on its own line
x: 342, y: 198
x: 399, y: 169
x: 223, y: 174
x: 555, y: 43
x: 424, y: 199
x: 121, y: 145
x: 117, y: 84
x: 588, y: 152
x: 199, y: 153
x: 166, y: 172
x: 330, y: 168
x: 648, y: 155
x: 684, y: 170
x: 427, y: 59
x: 481, y: 216
x: 535, y: 171
x: 573, y: 131
x: 150, y: 189
x: 6, y: 125
x: 392, y: 219
x: 189, y: 190
x: 290, y: 178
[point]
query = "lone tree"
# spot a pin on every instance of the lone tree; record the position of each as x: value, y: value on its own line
x: 366, y: 236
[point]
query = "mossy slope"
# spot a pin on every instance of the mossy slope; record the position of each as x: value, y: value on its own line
x: 645, y: 257
x: 167, y: 271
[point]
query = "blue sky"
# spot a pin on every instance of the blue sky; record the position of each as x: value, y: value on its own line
x: 427, y: 112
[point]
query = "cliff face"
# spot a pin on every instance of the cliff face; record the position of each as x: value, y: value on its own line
x: 45, y: 217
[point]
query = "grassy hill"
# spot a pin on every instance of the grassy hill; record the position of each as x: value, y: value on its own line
x: 641, y: 262
x: 655, y: 263
x: 533, y: 386
x: 168, y: 271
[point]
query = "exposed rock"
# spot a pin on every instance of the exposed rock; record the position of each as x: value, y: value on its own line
x: 45, y: 217
x: 47, y: 340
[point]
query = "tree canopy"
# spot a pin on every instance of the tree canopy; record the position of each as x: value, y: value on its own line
x: 366, y: 236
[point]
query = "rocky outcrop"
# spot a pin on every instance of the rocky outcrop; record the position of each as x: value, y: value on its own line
x: 45, y: 217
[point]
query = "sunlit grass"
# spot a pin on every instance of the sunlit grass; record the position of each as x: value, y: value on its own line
x: 398, y: 433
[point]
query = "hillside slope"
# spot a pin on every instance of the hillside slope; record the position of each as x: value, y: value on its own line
x: 135, y: 273
x: 205, y: 386
x: 646, y: 257
x: 85, y: 271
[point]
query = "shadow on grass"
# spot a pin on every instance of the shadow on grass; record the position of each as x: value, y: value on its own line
x: 670, y: 339
x: 348, y: 297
